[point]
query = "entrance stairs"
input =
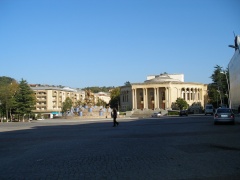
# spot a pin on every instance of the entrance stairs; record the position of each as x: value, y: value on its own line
x: 146, y: 112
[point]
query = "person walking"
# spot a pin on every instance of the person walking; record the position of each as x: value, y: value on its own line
x: 114, y: 116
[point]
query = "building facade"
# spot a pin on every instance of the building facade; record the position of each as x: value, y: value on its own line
x: 234, y: 76
x: 103, y: 96
x: 161, y: 92
x: 49, y: 100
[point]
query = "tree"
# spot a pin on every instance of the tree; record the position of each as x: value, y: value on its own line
x: 127, y: 83
x: 100, y: 102
x: 181, y: 103
x: 8, y: 89
x: 96, y: 89
x: 218, y: 89
x: 67, y: 105
x: 115, y: 98
x: 79, y: 103
x: 25, y: 99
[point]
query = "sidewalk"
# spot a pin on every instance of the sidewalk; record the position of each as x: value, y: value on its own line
x: 237, y: 118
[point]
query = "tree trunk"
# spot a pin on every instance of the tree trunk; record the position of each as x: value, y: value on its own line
x: 6, y: 114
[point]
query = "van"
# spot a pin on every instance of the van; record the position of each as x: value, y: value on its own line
x: 209, y: 109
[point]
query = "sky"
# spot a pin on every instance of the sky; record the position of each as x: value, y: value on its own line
x: 83, y: 43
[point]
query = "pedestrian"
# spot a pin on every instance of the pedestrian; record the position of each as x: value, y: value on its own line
x: 114, y: 116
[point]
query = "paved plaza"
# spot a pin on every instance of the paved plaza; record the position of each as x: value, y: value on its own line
x: 156, y: 148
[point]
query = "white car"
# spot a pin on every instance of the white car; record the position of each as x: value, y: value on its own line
x: 40, y: 119
x: 157, y: 114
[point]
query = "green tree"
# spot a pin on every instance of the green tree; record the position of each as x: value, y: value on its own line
x: 181, y: 103
x: 96, y: 89
x: 25, y: 99
x: 115, y: 98
x: 127, y: 83
x: 79, y: 103
x: 67, y: 105
x: 8, y: 88
x: 218, y: 89
x: 100, y: 102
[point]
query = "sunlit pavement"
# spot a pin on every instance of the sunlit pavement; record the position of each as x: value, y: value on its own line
x: 155, y: 148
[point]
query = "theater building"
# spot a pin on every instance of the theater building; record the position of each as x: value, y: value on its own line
x: 161, y: 92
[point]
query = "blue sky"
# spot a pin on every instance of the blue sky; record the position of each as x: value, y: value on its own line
x: 80, y: 43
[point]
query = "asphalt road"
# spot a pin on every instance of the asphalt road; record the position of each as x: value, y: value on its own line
x: 156, y: 148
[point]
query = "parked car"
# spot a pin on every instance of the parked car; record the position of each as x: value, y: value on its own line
x: 183, y: 113
x: 40, y: 119
x: 224, y: 115
x: 209, y: 109
x: 157, y: 114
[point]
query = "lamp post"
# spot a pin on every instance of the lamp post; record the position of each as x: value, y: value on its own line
x: 229, y: 97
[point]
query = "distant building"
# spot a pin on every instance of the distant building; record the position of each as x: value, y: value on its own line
x: 103, y: 96
x: 49, y: 100
x: 234, y: 75
x: 161, y: 92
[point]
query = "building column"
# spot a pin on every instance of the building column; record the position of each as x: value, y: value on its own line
x: 194, y: 94
x: 170, y: 97
x: 201, y: 94
x: 157, y: 98
x: 145, y: 99
x: 166, y: 98
x: 133, y: 98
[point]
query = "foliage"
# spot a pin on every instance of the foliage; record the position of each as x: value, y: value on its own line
x: 6, y: 80
x: 79, y: 103
x: 67, y: 105
x: 172, y: 113
x: 25, y: 99
x: 218, y: 89
x: 100, y: 102
x: 8, y: 89
x: 122, y: 113
x: 181, y: 103
x: 96, y: 89
x: 127, y: 83
x: 115, y: 98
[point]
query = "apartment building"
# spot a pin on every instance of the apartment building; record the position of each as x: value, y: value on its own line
x: 103, y: 96
x: 49, y: 100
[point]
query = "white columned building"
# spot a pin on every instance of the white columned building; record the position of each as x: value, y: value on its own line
x: 161, y: 92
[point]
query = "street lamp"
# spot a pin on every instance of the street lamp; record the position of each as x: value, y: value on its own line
x: 229, y: 97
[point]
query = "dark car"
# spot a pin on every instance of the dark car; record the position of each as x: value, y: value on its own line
x: 157, y: 114
x: 183, y: 113
x: 224, y: 115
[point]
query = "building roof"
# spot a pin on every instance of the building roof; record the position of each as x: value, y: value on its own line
x: 53, y: 88
x: 162, y: 78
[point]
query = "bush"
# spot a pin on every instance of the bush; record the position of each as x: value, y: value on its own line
x: 172, y: 113
x: 122, y: 113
